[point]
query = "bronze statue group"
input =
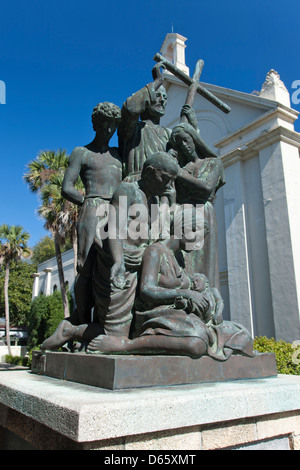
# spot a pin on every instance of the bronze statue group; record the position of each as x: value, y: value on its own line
x: 148, y: 295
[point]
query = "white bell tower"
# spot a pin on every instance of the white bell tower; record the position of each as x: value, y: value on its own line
x: 173, y: 49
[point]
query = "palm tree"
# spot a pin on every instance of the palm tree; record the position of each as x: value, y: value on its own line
x: 67, y: 212
x: 13, y: 246
x: 47, y: 163
x: 44, y: 176
x: 60, y: 218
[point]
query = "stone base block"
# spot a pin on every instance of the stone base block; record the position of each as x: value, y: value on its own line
x: 40, y: 412
x: 122, y: 372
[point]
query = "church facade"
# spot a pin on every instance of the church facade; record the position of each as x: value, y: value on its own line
x: 257, y: 209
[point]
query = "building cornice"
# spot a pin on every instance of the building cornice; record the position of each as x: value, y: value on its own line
x: 53, y: 259
x: 265, y: 139
x: 280, y: 112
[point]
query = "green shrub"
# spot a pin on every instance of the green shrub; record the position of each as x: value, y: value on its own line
x: 25, y: 361
x: 16, y: 360
x: 55, y: 313
x: 8, y: 358
x: 283, y: 351
x: 29, y: 357
x: 46, y: 313
x: 36, y: 319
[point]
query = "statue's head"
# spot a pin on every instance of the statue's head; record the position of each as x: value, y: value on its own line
x: 158, y: 108
x: 159, y: 171
x: 186, y: 140
x: 199, y: 282
x: 105, y: 118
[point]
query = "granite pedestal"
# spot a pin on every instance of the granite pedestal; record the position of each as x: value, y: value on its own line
x: 44, y: 413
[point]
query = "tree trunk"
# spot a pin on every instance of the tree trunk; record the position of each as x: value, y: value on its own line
x: 7, y: 327
x: 61, y: 276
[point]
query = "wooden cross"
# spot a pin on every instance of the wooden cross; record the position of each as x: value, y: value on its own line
x: 193, y: 83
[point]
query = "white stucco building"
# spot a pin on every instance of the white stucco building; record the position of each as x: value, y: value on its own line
x: 46, y: 279
x: 257, y: 209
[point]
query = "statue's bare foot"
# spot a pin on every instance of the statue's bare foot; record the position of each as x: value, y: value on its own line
x: 105, y: 344
x: 63, y: 333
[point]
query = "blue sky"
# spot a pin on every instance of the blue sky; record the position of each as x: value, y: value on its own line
x: 59, y: 59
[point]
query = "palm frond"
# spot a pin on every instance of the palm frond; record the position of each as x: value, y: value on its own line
x: 13, y: 243
x: 45, y: 176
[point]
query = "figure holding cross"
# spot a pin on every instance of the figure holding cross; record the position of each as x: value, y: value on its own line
x: 140, y: 133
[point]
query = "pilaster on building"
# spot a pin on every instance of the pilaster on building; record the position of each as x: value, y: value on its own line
x: 48, y: 272
x: 35, y: 289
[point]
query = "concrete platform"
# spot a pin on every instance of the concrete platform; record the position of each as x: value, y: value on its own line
x: 122, y: 372
x: 46, y: 413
